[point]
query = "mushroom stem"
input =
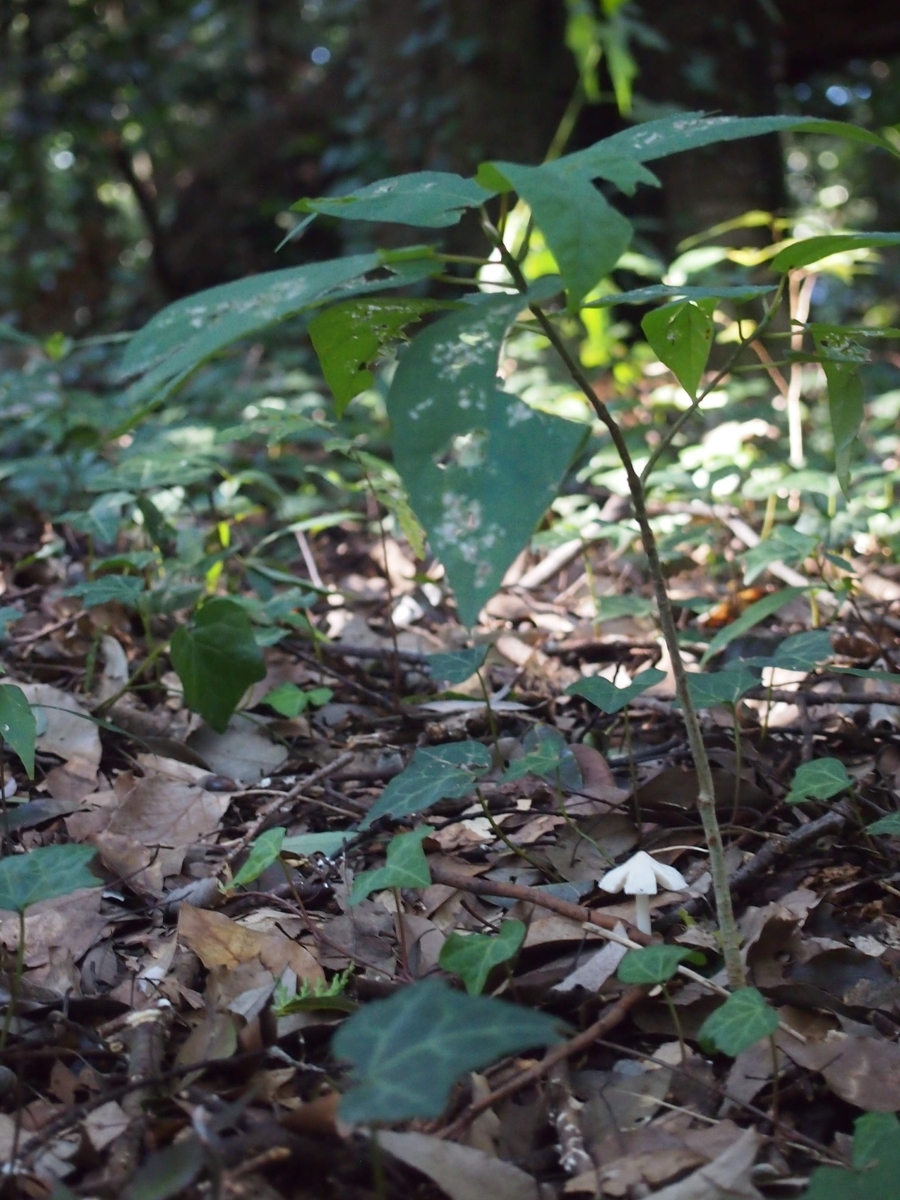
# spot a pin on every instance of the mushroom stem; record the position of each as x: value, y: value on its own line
x: 642, y: 913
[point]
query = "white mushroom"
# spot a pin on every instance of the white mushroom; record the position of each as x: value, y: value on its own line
x: 640, y: 877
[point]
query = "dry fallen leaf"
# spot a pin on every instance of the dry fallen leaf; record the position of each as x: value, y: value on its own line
x: 462, y: 1172
x: 220, y: 942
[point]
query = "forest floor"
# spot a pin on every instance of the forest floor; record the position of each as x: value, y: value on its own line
x: 170, y: 1031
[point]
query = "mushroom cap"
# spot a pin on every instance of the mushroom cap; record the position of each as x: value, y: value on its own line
x: 641, y: 875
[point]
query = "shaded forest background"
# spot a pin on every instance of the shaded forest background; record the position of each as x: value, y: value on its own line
x: 153, y: 147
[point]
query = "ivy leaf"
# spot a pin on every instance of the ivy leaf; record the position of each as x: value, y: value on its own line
x: 876, y: 1163
x: 431, y: 199
x: 652, y: 964
x: 406, y: 867
x: 585, y: 234
x: 457, y: 665
x: 217, y: 659
x: 818, y: 780
x: 609, y: 698
x: 803, y: 651
x: 305, y: 845
x: 44, y: 873
x: 408, y: 1051
x: 122, y: 589
x: 18, y: 725
x: 435, y: 773
x: 786, y: 545
x: 349, y: 338
x: 290, y: 700
x: 749, y: 617
x: 741, y: 1021
x: 480, y: 467
x: 720, y: 687
x: 263, y: 852
x: 814, y: 249
x: 547, y: 755
x: 889, y: 825
x: 681, y: 337
x: 473, y: 956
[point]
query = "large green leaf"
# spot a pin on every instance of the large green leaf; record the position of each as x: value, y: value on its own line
x: 819, y: 779
x: 667, y: 291
x: 681, y: 337
x: 742, y: 1020
x: 349, y: 337
x: 190, y: 331
x: 585, y: 234
x: 607, y: 696
x: 876, y: 1164
x: 44, y: 873
x: 841, y: 358
x: 435, y: 773
x: 17, y: 724
x: 720, y: 687
x: 749, y: 617
x: 812, y: 250
x: 473, y: 956
x: 406, y: 867
x: 432, y: 199
x: 480, y: 467
x: 408, y: 1051
x: 217, y: 659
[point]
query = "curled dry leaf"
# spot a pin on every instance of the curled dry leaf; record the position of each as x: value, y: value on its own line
x: 220, y: 942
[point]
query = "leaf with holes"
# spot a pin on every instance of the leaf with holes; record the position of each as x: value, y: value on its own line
x: 406, y: 867
x: 739, y: 1023
x: 611, y: 699
x: 457, y: 665
x: 749, y: 617
x: 818, y: 780
x: 263, y: 852
x: 435, y: 773
x: 652, y: 964
x: 217, y: 659
x: 480, y: 467
x: 681, y: 337
x: 720, y: 687
x: 408, y: 1051
x: 473, y: 956
x: 18, y: 726
x: 350, y: 337
x: 585, y: 234
x: 876, y: 1163
x: 44, y: 873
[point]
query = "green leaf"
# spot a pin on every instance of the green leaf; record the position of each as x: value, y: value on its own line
x: 841, y: 358
x: 681, y: 337
x: 406, y: 867
x: 862, y: 673
x: 435, y: 773
x: 666, y: 291
x: 548, y: 755
x: 473, y: 956
x: 17, y: 724
x: 44, y: 873
x: 609, y: 698
x: 305, y: 845
x: 108, y: 589
x: 749, y: 617
x: 651, y: 964
x: 349, y: 338
x: 263, y: 852
x: 168, y: 1172
x: 543, y: 760
x: 585, y: 234
x: 480, y: 467
x: 720, y: 687
x: 742, y: 1020
x: 190, y: 331
x: 814, y: 249
x: 431, y: 199
x: 889, y: 825
x: 9, y: 614
x: 803, y: 651
x: 457, y: 665
x: 818, y: 780
x: 290, y: 700
x: 787, y: 545
x: 876, y: 1163
x: 612, y: 607
x: 408, y: 1051
x: 217, y: 659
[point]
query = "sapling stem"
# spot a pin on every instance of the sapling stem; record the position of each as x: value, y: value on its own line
x: 706, y: 804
